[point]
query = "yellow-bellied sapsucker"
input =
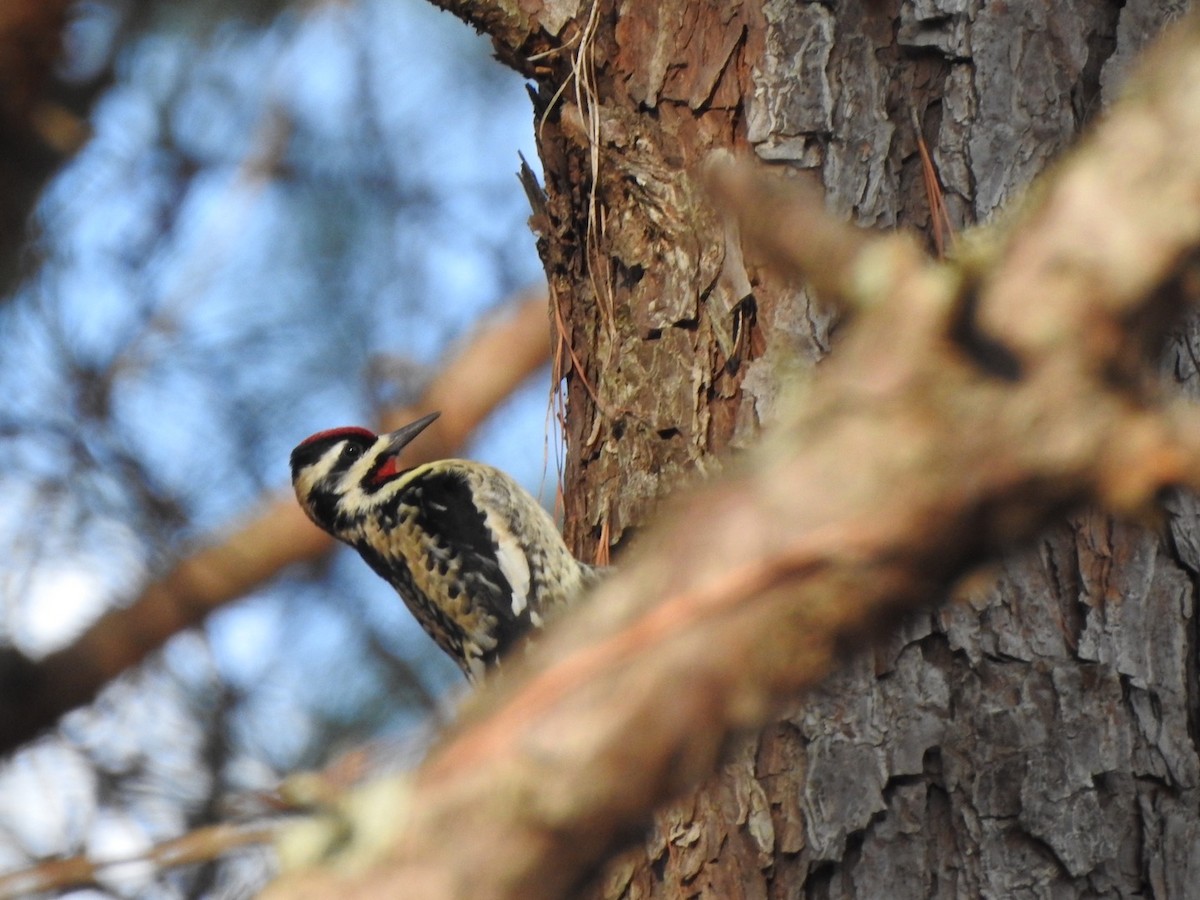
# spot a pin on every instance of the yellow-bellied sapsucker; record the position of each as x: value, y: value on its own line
x: 476, y: 559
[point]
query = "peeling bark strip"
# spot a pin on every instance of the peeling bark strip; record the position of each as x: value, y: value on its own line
x: 902, y: 467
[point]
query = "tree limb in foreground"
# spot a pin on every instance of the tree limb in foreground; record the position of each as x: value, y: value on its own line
x: 968, y: 406
x: 34, y: 694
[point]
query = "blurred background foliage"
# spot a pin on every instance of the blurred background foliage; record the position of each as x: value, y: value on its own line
x: 280, y: 218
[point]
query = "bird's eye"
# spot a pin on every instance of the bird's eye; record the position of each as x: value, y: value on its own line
x: 352, y: 451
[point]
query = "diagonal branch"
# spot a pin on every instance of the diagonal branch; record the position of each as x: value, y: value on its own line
x: 969, y: 406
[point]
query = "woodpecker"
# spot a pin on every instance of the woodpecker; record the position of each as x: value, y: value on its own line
x: 476, y: 559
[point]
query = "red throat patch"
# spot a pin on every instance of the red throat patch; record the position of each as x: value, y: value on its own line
x: 387, y: 470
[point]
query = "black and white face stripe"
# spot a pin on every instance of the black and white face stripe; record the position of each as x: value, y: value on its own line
x: 329, y: 466
x: 339, y: 474
x: 351, y: 442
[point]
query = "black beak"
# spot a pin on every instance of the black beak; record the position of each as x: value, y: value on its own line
x: 402, y: 437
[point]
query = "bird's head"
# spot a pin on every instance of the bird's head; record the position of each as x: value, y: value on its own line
x: 338, y: 474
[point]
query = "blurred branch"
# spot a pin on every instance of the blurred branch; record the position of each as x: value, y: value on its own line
x: 262, y: 818
x: 34, y: 694
x: 199, y: 845
x: 969, y: 405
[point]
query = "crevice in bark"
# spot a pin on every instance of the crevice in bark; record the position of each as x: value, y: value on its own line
x: 820, y: 880
x: 1019, y: 837
x: 1192, y: 631
x: 1086, y: 96
x: 628, y: 276
x: 1067, y: 584
x: 1193, y: 671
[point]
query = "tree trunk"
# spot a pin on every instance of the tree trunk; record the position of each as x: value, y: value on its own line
x: 1037, y: 736
x: 1033, y: 737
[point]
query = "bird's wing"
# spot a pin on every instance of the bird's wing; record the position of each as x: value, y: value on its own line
x: 472, y: 565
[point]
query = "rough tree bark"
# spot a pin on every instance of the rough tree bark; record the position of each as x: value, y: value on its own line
x: 1037, y: 737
